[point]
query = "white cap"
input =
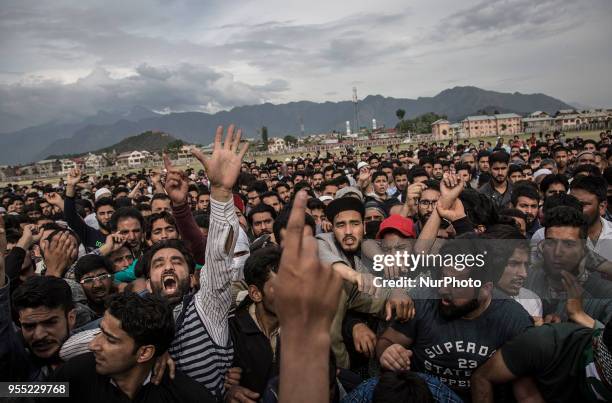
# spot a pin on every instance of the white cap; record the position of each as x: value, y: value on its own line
x: 325, y: 198
x: 362, y: 164
x: 540, y: 172
x: 102, y: 192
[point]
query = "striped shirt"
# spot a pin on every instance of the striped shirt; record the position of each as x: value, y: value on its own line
x: 201, y: 347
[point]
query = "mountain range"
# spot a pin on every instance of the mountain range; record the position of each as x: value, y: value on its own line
x: 106, y: 128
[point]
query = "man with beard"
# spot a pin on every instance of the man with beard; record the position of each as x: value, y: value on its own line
x: 592, y: 193
x: 560, y: 154
x: 261, y: 220
x: 316, y: 181
x: 445, y: 338
x: 400, y: 177
x: 499, y: 189
x: 254, y: 328
x: 44, y: 309
x: 426, y: 202
x: 90, y: 237
x: 284, y: 191
x: 437, y: 171
x: 95, y: 274
x: 341, y: 249
x: 567, y: 288
x: 525, y: 197
x: 203, y: 201
x: 135, y: 331
x: 129, y: 223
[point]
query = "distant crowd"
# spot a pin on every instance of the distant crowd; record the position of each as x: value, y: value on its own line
x: 248, y: 281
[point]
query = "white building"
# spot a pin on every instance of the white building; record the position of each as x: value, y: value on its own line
x: 133, y: 158
x: 276, y: 144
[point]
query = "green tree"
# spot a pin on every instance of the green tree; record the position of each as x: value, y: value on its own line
x: 400, y: 113
x: 503, y: 127
x: 264, y: 135
x: 290, y: 140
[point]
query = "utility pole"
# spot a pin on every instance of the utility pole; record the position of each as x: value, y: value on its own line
x: 356, y: 112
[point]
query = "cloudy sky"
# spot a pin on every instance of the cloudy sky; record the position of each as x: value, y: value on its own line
x: 66, y: 59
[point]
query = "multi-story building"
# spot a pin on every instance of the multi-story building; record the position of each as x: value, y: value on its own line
x: 48, y: 167
x: 276, y: 144
x: 132, y: 158
x: 492, y: 125
x: 538, y: 122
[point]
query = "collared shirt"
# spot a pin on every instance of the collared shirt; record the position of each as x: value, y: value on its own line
x: 603, y: 245
x: 500, y: 200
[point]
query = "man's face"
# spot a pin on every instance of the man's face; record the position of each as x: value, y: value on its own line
x: 516, y: 176
x: 380, y: 185
x: 284, y: 193
x: 348, y: 230
x: 587, y: 159
x: 499, y: 171
x: 437, y: 171
x: 555, y: 188
x: 264, y: 176
x: 470, y: 160
x: 428, y: 167
x: 114, y: 350
x: 18, y: 206
x: 372, y: 214
x: 457, y: 302
x: 273, y: 202
x: 45, y: 329
x: 515, y: 272
x: 561, y: 158
x: 169, y: 275
x: 562, y: 250
x: 483, y: 164
x: 253, y: 198
x: 97, y: 285
x: 121, y: 259
x: 34, y: 214
x: 318, y: 216
x: 203, y: 202
x: 591, y: 207
x: 401, y: 182
x: 465, y: 176
x: 46, y: 209
x: 104, y: 214
x: 529, y: 207
x: 522, y: 225
x: 374, y: 163
x: 159, y: 205
x: 132, y: 231
x: 535, y: 163
x: 330, y: 190
x: 590, y: 147
x: 427, y: 204
x: 317, y: 180
x: 262, y: 223
x: 389, y: 173
x: 162, y: 230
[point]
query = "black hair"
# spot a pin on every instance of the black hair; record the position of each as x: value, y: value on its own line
x: 162, y: 215
x: 91, y: 262
x: 120, y: 189
x: 482, y: 154
x: 463, y: 166
x: 524, y: 190
x: 595, y: 185
x: 515, y: 168
x: 48, y: 291
x: 377, y: 174
x: 315, y: 204
x: 260, y: 208
x: 148, y: 319
x: 283, y: 219
x: 123, y: 213
x: 258, y: 186
x: 260, y: 264
x: 282, y: 184
x: 432, y: 184
x: 104, y: 201
x: 513, y: 212
x: 499, y: 156
x: 478, y: 207
x: 587, y: 169
x: 551, y: 179
x: 562, y: 199
x: 401, y: 386
x: 342, y: 180
x: 400, y: 171
x: 166, y: 244
x: 270, y: 194
x: 202, y: 220
x: 416, y: 171
x: 159, y: 196
x: 499, y: 242
x: 564, y: 216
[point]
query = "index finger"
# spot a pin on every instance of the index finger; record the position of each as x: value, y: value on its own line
x: 167, y: 163
x: 295, y: 225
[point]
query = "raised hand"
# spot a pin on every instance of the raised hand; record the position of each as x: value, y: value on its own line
x: 55, y: 199
x: 176, y: 186
x: 113, y: 243
x: 60, y: 252
x: 73, y: 177
x: 451, y: 186
x: 223, y: 166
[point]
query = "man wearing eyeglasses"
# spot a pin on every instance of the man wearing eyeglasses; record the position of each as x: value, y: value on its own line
x: 94, y: 273
x: 569, y: 291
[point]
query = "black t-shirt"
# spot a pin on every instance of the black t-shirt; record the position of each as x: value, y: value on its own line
x: 88, y: 386
x: 553, y: 356
x: 452, y: 349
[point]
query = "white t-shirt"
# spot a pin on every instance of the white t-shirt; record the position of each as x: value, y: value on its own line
x: 530, y: 301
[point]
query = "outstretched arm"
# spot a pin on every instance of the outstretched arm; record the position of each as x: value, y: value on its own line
x: 214, y: 297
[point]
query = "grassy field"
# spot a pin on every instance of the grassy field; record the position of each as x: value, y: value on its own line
x: 281, y: 157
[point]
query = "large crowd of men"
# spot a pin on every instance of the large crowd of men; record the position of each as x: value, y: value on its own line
x: 255, y: 281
